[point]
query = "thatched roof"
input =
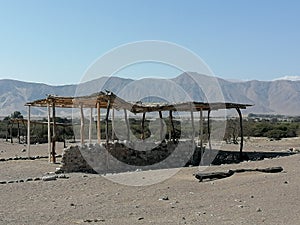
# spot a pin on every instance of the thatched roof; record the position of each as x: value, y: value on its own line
x: 111, y: 100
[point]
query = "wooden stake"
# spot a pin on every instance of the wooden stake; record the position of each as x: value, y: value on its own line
x: 208, y: 128
x: 241, y: 133
x: 106, y: 120
x: 106, y: 133
x: 81, y: 125
x: 172, y: 132
x: 193, y: 127
x: 98, y: 123
x: 143, y: 126
x: 113, y: 125
x: 201, y: 132
x: 49, y: 132
x: 193, y: 133
x: 127, y: 125
x: 28, y: 132
x: 161, y: 126
x: 54, y: 134
x: 90, y: 126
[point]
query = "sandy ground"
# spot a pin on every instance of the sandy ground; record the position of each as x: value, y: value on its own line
x: 246, y: 198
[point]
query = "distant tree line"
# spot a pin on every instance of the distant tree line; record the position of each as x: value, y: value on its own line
x: 273, y: 128
x: 14, y: 127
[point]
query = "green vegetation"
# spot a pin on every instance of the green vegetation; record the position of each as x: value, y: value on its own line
x: 14, y: 127
x: 271, y: 128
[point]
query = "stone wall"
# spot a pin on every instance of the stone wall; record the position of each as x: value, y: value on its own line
x: 126, y: 156
x: 73, y: 161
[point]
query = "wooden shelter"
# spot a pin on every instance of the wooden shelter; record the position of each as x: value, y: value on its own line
x: 110, y: 101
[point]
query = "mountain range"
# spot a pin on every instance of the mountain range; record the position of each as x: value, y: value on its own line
x: 267, y: 97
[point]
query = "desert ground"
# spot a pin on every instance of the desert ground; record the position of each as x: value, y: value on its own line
x: 78, y: 198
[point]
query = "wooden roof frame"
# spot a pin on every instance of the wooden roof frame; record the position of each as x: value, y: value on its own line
x: 109, y: 98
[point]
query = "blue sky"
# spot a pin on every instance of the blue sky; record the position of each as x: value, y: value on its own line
x: 55, y: 41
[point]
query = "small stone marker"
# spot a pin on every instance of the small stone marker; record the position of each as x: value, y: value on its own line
x: 164, y: 198
x: 63, y: 176
x: 49, y: 178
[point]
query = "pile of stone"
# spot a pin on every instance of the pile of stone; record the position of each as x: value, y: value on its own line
x: 73, y: 161
x: 126, y: 156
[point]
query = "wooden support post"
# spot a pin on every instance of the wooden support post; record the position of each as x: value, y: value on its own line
x: 49, y: 131
x: 53, y: 153
x: 90, y: 126
x: 161, y: 126
x: 127, y: 125
x: 208, y: 128
x: 113, y: 125
x: 201, y: 132
x: 143, y: 126
x: 98, y: 123
x: 28, y: 132
x: 241, y: 133
x: 81, y: 125
x: 106, y: 133
x: 193, y: 127
x: 193, y: 133
x: 172, y: 132
x: 106, y: 121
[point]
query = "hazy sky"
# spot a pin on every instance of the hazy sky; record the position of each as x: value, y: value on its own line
x: 55, y: 41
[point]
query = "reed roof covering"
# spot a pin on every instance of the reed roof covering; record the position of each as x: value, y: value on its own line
x: 111, y: 100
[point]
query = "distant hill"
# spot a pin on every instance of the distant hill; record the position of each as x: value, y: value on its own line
x: 268, y: 97
x: 14, y: 94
